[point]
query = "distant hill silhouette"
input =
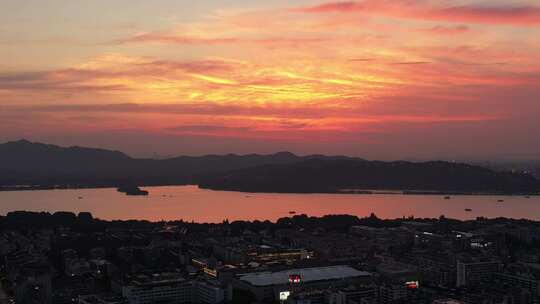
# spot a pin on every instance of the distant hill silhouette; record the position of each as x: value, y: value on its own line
x: 44, y: 166
x: 529, y: 166
x: 26, y: 163
x: 325, y: 175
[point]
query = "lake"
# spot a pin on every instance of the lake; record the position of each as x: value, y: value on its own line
x: 191, y: 203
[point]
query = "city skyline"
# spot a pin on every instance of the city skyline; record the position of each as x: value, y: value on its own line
x: 413, y: 79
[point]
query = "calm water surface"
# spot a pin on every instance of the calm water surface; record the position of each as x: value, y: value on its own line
x: 191, y: 203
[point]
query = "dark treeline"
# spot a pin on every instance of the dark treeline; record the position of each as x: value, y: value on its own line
x: 85, y: 222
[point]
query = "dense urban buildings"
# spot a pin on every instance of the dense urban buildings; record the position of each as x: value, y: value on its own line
x: 66, y: 258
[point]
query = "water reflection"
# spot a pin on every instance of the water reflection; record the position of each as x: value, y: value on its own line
x: 191, y: 203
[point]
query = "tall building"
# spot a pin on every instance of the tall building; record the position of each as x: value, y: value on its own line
x: 210, y: 292
x: 470, y: 273
x: 172, y: 288
x: 520, y: 281
x: 34, y: 289
x: 392, y: 292
x: 447, y: 301
x: 356, y: 294
x: 101, y: 299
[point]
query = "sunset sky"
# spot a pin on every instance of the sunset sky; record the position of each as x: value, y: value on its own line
x: 380, y: 79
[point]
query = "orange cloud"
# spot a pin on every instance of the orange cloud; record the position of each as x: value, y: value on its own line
x: 447, y: 30
x: 422, y: 10
x: 172, y: 38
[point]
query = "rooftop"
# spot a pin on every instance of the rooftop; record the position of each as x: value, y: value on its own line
x: 307, y: 274
x: 101, y: 299
x: 157, y: 279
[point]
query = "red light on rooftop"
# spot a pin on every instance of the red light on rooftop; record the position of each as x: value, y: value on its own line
x: 295, y: 279
x: 412, y: 284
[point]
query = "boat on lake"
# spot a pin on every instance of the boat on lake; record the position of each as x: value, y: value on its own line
x: 132, y: 190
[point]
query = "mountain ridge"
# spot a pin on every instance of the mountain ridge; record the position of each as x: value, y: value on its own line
x: 36, y: 164
x: 331, y: 176
x: 26, y: 163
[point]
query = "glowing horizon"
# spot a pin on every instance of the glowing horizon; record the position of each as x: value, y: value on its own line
x: 372, y: 78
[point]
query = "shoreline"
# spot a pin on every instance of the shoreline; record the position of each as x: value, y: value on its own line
x: 75, y: 187
x: 344, y: 191
x: 402, y: 219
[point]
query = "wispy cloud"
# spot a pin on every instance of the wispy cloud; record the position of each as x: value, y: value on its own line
x: 446, y: 30
x: 208, y: 128
x: 411, y: 62
x: 524, y: 15
x: 172, y: 38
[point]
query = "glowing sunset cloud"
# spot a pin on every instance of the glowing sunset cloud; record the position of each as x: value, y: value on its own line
x: 374, y: 78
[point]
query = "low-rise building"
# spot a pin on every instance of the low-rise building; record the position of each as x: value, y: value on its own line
x: 102, y: 299
x: 267, y: 286
x: 173, y: 288
x: 473, y: 272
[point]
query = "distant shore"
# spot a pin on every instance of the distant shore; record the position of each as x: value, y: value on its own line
x: 421, y: 192
x: 341, y: 191
x: 72, y: 187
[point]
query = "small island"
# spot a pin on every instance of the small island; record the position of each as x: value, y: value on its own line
x: 132, y: 190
